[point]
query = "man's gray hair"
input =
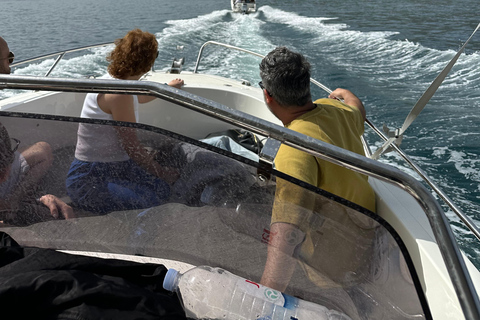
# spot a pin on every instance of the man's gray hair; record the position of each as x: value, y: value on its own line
x: 286, y: 76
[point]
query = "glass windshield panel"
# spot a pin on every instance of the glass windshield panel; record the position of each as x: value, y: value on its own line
x: 162, y: 195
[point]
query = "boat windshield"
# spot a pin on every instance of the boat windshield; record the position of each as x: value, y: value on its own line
x: 217, y: 212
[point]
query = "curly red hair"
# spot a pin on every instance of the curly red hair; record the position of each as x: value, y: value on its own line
x: 133, y: 55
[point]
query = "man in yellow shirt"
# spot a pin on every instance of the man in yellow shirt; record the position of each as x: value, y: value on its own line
x: 286, y: 87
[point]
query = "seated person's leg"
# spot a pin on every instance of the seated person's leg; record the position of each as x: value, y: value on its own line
x: 39, y: 158
x: 131, y: 195
x: 138, y: 189
x: 87, y: 186
x: 106, y: 187
x: 26, y: 170
x: 13, y: 175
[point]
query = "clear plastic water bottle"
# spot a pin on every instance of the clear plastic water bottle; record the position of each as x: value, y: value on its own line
x: 214, y: 293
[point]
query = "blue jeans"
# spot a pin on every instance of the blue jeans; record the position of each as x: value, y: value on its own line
x: 103, y: 187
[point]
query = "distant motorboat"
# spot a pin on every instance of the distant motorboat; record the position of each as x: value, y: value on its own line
x: 244, y: 6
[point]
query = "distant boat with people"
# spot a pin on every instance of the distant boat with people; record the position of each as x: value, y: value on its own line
x: 244, y: 6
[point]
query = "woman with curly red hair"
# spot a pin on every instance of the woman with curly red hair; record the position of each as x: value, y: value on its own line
x: 112, y: 170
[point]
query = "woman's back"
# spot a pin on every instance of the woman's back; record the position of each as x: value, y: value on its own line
x: 99, y: 143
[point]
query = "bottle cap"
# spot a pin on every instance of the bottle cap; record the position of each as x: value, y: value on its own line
x: 169, y: 281
x: 291, y: 302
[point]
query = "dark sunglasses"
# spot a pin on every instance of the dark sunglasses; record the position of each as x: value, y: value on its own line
x: 10, y: 57
x: 17, y: 143
x: 263, y: 88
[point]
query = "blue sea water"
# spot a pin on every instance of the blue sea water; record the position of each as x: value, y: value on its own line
x: 387, y: 52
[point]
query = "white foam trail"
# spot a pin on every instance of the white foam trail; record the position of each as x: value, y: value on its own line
x: 376, y: 54
x: 300, y: 22
x: 92, y: 64
x: 222, y: 26
x: 465, y: 165
x: 195, y: 25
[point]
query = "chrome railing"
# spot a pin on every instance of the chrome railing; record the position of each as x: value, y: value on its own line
x: 445, y: 239
x: 59, y: 55
x: 200, y: 52
x: 458, y: 212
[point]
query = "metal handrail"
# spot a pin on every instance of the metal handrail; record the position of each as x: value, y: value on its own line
x: 60, y: 55
x: 445, y: 239
x: 200, y: 52
x: 463, y: 217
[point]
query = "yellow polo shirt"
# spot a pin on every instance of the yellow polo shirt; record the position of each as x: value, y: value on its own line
x: 338, y: 124
x: 338, y: 240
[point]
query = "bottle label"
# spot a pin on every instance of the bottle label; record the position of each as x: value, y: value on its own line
x: 261, y: 292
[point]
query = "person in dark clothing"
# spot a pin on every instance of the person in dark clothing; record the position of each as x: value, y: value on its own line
x: 19, y: 173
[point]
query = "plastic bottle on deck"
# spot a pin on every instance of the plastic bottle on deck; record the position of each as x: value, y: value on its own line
x: 214, y: 293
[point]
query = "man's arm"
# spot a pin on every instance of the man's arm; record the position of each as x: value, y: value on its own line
x: 280, y: 265
x: 349, y: 98
x: 292, y: 209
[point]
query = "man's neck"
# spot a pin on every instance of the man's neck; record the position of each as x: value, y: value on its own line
x: 288, y: 114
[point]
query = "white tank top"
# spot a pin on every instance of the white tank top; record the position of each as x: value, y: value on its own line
x: 99, y: 143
